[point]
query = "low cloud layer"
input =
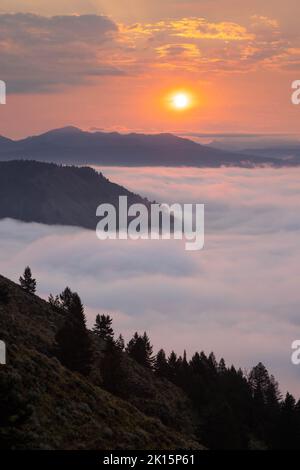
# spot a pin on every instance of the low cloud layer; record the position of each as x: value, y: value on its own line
x: 239, y: 297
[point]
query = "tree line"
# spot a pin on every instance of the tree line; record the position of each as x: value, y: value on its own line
x: 237, y: 410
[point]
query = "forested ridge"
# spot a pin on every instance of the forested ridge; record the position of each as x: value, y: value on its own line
x: 192, y: 401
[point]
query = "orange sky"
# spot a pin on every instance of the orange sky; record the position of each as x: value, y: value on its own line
x: 236, y: 59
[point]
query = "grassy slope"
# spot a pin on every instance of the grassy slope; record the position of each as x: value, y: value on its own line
x: 66, y: 410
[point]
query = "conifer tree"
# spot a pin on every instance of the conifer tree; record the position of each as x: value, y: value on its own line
x: 120, y: 343
x: 289, y: 425
x: 212, y: 361
x: 160, y: 364
x: 184, y: 360
x: 74, y: 345
x: 172, y: 365
x: 222, y: 367
x: 103, y: 328
x: 66, y: 298
x: 54, y: 301
x: 27, y: 282
x: 149, y: 350
x: 140, y: 349
x: 263, y: 386
x: 112, y: 370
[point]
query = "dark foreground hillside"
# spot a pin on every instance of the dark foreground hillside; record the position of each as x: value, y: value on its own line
x: 43, y: 405
x: 67, y: 387
x: 46, y: 193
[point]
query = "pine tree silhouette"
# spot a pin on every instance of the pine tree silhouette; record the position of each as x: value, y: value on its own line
x: 54, y: 302
x: 172, y: 366
x: 140, y: 349
x: 74, y: 345
x: 160, y: 364
x: 222, y: 366
x: 120, y: 343
x: 112, y: 370
x: 27, y: 282
x: 66, y: 298
x: 102, y: 327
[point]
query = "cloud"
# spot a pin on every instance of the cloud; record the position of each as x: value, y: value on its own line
x: 264, y: 22
x: 200, y: 28
x: 193, y: 28
x: 196, y: 44
x: 239, y: 296
x: 177, y: 50
x: 42, y: 54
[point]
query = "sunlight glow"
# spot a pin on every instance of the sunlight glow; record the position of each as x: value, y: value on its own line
x: 180, y: 100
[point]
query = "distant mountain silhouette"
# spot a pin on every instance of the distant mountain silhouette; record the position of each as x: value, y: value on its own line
x: 5, y: 142
x: 283, y: 153
x: 72, y: 145
x: 47, y: 193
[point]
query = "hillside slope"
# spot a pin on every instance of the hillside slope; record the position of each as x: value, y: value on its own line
x: 47, y: 193
x: 45, y: 406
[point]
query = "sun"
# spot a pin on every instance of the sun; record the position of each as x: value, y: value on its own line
x: 180, y: 100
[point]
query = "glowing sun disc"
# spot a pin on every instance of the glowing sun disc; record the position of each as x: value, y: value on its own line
x: 180, y: 101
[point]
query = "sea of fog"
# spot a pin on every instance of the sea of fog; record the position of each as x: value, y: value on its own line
x: 239, y: 296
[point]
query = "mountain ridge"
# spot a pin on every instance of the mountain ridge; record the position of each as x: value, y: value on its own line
x: 71, y: 145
